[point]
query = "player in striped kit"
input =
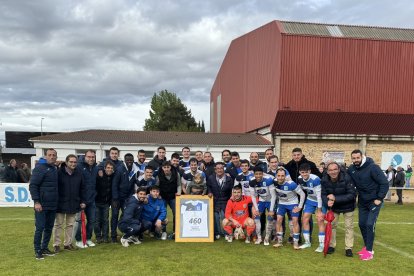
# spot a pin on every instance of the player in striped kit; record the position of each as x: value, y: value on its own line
x: 262, y: 186
x: 243, y: 179
x: 288, y: 192
x: 312, y: 185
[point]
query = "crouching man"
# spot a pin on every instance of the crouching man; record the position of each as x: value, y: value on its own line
x: 130, y: 223
x: 237, y: 214
x: 154, y: 215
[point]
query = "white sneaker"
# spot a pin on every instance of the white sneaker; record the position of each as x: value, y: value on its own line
x: 258, y: 241
x: 266, y: 242
x: 80, y: 244
x: 247, y: 239
x: 164, y: 236
x: 319, y: 249
x: 305, y: 245
x: 217, y: 237
x: 134, y: 240
x: 90, y: 243
x: 124, y: 242
x: 229, y: 238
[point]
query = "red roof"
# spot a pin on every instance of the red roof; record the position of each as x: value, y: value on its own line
x: 342, y: 122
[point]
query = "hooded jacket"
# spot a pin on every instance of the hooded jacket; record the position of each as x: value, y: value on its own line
x: 89, y: 176
x: 293, y: 168
x: 43, y: 185
x: 132, y: 212
x: 154, y: 209
x: 156, y: 163
x: 369, y: 180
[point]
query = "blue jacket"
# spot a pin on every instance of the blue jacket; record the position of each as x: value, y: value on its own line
x: 132, y: 212
x: 72, y: 190
x: 369, y: 180
x: 123, y: 186
x: 43, y: 186
x: 89, y: 176
x: 154, y: 209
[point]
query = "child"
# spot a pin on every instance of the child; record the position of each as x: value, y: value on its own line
x: 197, y: 186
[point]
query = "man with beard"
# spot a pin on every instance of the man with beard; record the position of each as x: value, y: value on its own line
x: 141, y: 161
x: 372, y: 186
x: 254, y: 161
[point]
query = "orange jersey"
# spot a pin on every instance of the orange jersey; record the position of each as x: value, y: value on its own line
x: 238, y: 210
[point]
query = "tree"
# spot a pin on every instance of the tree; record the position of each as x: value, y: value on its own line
x: 168, y: 113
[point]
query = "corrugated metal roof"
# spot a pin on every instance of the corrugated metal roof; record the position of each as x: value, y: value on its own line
x: 155, y: 137
x: 344, y: 123
x: 333, y: 30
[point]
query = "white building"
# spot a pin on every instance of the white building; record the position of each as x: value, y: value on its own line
x: 131, y: 141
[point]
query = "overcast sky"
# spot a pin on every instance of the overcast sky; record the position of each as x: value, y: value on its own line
x: 95, y: 64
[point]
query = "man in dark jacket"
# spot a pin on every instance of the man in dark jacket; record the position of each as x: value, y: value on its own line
x: 156, y: 163
x: 23, y: 173
x: 103, y: 201
x: 130, y: 223
x: 233, y: 168
x: 399, y: 184
x: 220, y: 186
x: 254, y: 161
x: 372, y: 186
x: 208, y: 162
x: 338, y: 193
x: 87, y: 166
x: 72, y: 190
x: 43, y: 189
x: 123, y: 187
x: 293, y: 168
x: 169, y: 181
x: 10, y: 173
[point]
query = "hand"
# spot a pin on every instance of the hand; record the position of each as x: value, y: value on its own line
x: 377, y: 202
x: 296, y: 210
x: 100, y: 173
x: 115, y: 204
x: 176, y: 194
x: 38, y: 207
x: 255, y: 213
x: 236, y: 223
x: 271, y: 213
x: 83, y: 205
x: 320, y: 215
x: 210, y: 195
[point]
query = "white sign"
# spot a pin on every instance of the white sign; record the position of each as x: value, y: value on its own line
x: 396, y: 159
x: 337, y: 156
x: 15, y: 195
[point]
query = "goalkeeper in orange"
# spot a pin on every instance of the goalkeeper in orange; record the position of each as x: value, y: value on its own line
x: 237, y: 215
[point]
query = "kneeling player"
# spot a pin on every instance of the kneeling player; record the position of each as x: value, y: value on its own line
x: 154, y: 215
x: 288, y: 192
x: 130, y: 223
x: 237, y: 214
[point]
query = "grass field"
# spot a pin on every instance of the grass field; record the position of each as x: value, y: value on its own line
x: 394, y: 253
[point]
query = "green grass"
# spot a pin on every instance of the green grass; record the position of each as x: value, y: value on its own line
x: 155, y: 257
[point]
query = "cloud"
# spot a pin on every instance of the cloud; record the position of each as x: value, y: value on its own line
x: 58, y: 58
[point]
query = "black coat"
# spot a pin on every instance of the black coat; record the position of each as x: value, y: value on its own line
x: 343, y: 190
x: 43, y: 186
x: 104, y: 189
x: 122, y: 185
x: 72, y: 190
x: 10, y: 175
x: 168, y: 187
x: 156, y: 163
x: 221, y: 195
x: 209, y: 168
x: 293, y: 168
x: 89, y: 176
x: 399, y: 179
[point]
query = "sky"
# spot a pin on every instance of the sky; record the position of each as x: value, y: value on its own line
x: 95, y: 64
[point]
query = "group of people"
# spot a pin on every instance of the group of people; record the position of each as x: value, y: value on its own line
x: 398, y: 178
x: 15, y: 174
x: 247, y: 194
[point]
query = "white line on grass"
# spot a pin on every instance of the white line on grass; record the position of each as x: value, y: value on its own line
x: 396, y: 250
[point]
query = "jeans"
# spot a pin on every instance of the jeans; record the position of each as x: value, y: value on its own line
x: 170, y: 203
x: 399, y: 193
x: 115, y: 217
x: 44, y: 221
x: 90, y: 217
x: 368, y: 214
x: 218, y: 218
x: 407, y: 182
x: 102, y: 221
x: 130, y: 230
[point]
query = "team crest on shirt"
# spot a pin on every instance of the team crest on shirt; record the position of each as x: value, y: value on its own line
x: 244, y: 205
x: 311, y: 185
x: 286, y: 188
